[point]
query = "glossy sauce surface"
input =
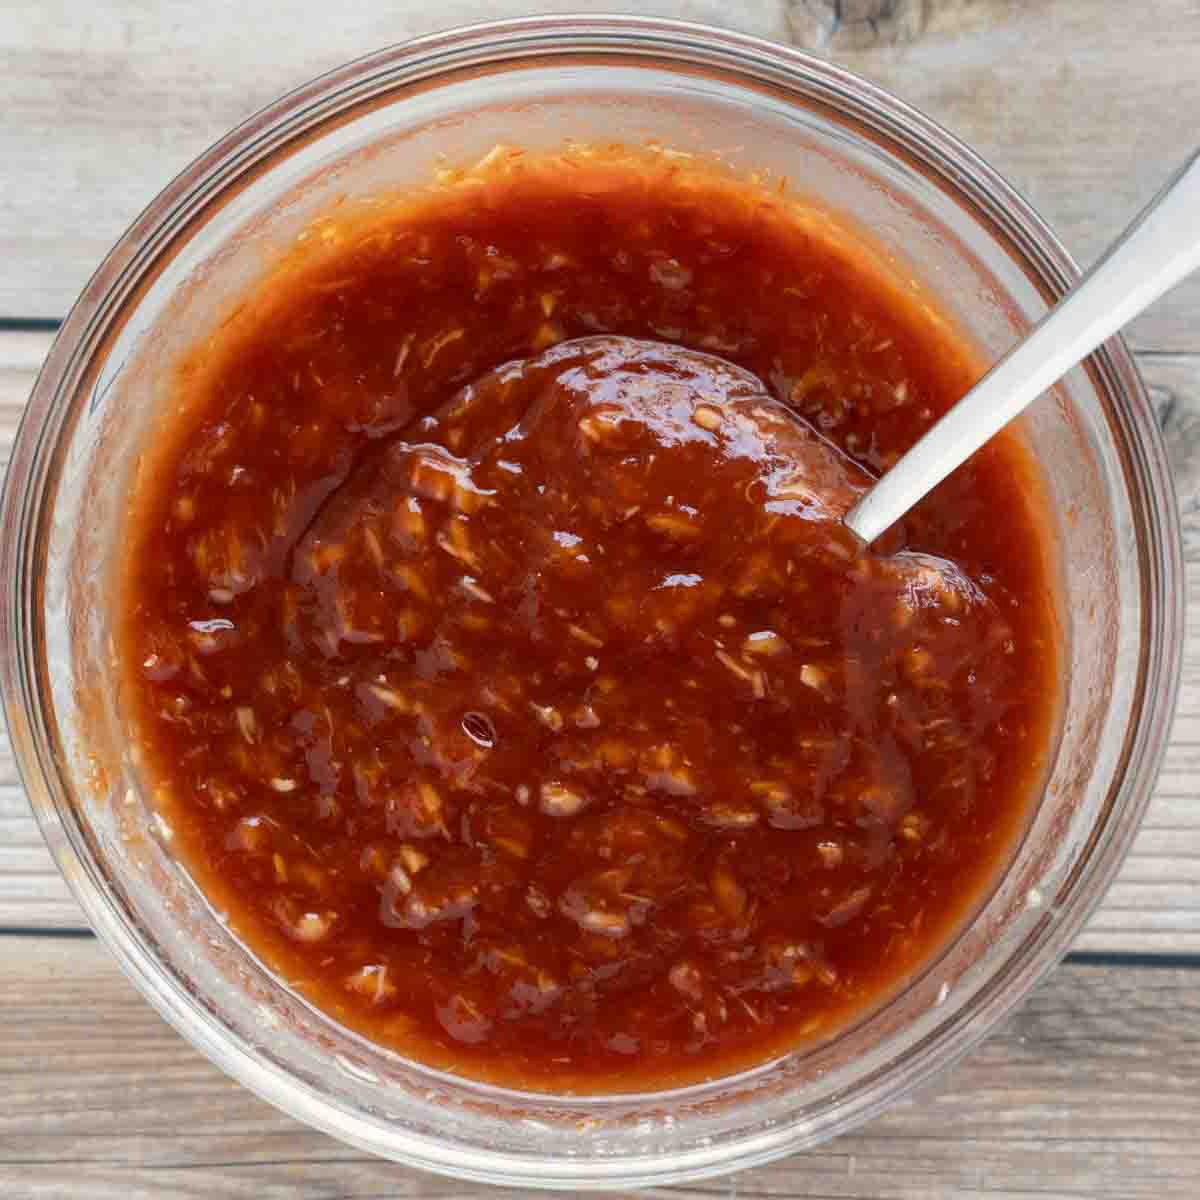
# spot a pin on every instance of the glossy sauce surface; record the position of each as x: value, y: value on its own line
x: 502, y: 664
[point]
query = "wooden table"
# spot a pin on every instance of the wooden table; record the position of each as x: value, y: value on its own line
x: 1093, y: 1087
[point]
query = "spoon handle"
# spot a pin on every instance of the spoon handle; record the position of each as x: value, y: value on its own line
x: 1153, y: 254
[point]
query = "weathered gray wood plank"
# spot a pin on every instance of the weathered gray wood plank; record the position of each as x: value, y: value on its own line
x: 1091, y: 1090
x: 105, y: 102
x: 1085, y: 106
x: 1154, y: 905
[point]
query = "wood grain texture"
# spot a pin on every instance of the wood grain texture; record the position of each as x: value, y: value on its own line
x: 105, y: 102
x: 1153, y: 907
x: 1085, y: 106
x: 1091, y: 1090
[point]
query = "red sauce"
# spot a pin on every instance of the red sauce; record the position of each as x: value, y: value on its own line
x: 503, y: 666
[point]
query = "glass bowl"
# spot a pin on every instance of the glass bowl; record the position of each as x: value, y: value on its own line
x: 931, y: 204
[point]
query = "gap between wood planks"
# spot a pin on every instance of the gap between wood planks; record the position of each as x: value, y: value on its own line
x: 1101, y: 959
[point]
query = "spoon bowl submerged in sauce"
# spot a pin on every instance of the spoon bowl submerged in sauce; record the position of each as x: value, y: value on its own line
x: 630, y: 558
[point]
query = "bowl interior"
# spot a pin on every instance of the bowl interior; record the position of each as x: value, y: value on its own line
x: 377, y: 125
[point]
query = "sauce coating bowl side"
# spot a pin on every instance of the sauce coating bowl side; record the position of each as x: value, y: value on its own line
x: 932, y: 206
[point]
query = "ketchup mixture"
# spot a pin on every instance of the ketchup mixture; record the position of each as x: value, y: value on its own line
x: 499, y: 658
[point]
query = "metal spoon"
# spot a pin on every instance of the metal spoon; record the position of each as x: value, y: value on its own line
x: 1153, y: 254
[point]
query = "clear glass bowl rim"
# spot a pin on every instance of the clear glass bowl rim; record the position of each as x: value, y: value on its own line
x: 116, y: 285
